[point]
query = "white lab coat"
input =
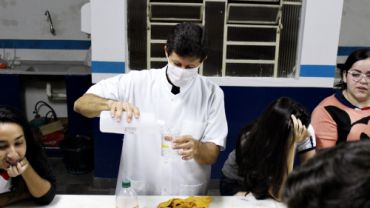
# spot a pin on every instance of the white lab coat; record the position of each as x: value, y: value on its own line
x: 197, y: 110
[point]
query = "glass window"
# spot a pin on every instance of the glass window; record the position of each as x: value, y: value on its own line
x: 254, y: 38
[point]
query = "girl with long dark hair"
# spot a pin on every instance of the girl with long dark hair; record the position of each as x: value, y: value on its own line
x: 24, y: 169
x: 265, y: 151
x: 345, y: 115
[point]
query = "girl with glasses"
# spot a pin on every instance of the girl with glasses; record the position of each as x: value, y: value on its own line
x: 345, y: 115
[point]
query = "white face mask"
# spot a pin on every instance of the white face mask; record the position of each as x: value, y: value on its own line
x: 179, y: 76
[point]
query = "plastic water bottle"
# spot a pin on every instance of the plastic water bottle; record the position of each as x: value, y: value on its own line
x: 126, y: 197
x: 146, y: 122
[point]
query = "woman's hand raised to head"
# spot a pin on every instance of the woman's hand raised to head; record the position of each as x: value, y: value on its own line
x: 299, y: 130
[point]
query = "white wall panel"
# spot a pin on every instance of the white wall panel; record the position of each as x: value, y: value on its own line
x: 108, y: 30
x: 26, y: 20
x: 321, y: 32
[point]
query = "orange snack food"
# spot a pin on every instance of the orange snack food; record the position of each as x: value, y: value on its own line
x: 190, y: 202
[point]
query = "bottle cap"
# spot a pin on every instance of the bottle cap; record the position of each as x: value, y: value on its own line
x: 126, y: 183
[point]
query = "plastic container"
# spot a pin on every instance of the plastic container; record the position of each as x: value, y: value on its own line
x: 146, y: 122
x: 126, y: 197
x: 167, y: 150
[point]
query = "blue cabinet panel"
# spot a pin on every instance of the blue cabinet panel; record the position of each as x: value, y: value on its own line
x: 76, y: 86
x: 244, y: 104
x: 11, y: 91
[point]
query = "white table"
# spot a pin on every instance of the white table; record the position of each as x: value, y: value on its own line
x: 108, y: 201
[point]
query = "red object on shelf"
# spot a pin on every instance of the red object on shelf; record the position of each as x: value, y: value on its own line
x: 3, y: 65
x: 53, y: 139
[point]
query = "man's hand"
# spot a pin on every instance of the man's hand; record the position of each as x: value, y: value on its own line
x: 18, y: 168
x: 204, y: 153
x: 117, y: 108
x: 186, y: 146
x: 91, y: 106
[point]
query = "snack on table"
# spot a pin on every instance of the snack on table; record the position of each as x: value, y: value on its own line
x: 190, y: 202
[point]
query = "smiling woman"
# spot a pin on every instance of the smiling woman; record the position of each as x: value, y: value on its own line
x: 24, y: 169
x: 12, y: 147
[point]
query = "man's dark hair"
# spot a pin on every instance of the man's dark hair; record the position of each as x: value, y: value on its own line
x: 187, y: 40
x: 335, y: 178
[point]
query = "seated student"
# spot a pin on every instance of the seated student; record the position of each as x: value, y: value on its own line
x: 336, y: 177
x: 265, y: 150
x: 24, y: 168
x: 345, y: 115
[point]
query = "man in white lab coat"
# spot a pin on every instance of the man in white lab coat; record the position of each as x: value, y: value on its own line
x: 191, y: 106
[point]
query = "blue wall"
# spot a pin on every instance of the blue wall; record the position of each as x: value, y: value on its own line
x: 11, y: 91
x: 242, y: 104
